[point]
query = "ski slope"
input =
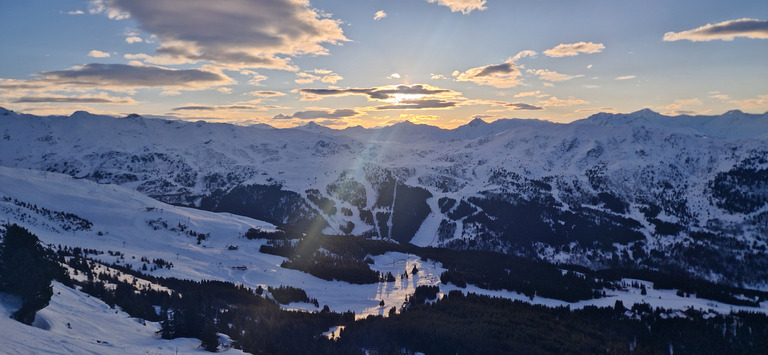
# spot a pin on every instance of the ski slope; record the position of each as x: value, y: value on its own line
x: 125, y: 221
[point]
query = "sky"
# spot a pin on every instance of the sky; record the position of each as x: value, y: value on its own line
x: 371, y: 63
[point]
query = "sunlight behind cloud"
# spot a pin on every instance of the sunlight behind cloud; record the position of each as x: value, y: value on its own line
x: 236, y: 33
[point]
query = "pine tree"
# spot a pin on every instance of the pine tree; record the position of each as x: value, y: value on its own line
x: 21, y: 250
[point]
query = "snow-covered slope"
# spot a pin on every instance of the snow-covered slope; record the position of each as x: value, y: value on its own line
x: 132, y: 225
x: 72, y: 212
x: 611, y: 190
x: 75, y: 323
x: 732, y: 124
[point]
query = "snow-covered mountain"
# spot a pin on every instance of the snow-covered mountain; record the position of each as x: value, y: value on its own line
x: 125, y: 227
x: 623, y: 190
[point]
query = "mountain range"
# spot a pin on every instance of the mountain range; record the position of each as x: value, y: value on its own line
x: 639, y: 191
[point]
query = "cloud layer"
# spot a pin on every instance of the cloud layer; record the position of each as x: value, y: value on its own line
x: 463, y: 6
x: 726, y: 31
x: 376, y: 93
x: 319, y: 114
x: 232, y: 33
x: 120, y: 77
x: 572, y: 49
x: 504, y: 75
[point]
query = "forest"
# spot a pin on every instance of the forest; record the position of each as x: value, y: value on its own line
x: 428, y: 322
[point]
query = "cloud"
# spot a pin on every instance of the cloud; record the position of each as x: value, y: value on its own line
x: 133, y: 39
x: 693, y: 101
x: 682, y: 107
x: 234, y: 107
x: 318, y: 114
x: 554, y: 101
x: 572, y: 49
x: 194, y: 108
x: 418, y: 104
x: 523, y: 54
x: 463, y: 6
x: 504, y: 75
x: 759, y: 103
x: 509, y: 106
x: 549, y: 75
x: 266, y: 93
x: 523, y: 106
x: 596, y: 109
x: 394, y: 76
x: 255, y: 78
x: 726, y: 31
x: 98, y: 99
x: 76, y: 12
x: 536, y: 93
x: 98, y: 54
x: 719, y: 96
x: 323, y: 75
x: 397, y: 97
x: 159, y: 60
x: 377, y: 93
x: 121, y: 77
x: 15, y: 84
x: 437, y: 76
x: 379, y: 15
x: 170, y: 93
x: 234, y: 33
x: 626, y: 77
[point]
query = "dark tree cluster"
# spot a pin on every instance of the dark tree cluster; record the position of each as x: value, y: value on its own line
x: 268, y: 203
x: 423, y: 293
x: 326, y: 205
x: 744, y: 188
x: 474, y: 324
x: 26, y: 270
x: 330, y: 267
x: 289, y: 294
x: 253, y: 233
x: 279, y: 247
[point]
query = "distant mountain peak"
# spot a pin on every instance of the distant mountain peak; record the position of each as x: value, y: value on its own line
x: 313, y: 126
x: 80, y: 114
x: 477, y: 122
x: 646, y: 111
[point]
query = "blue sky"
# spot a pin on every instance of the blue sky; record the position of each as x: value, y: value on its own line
x: 376, y: 62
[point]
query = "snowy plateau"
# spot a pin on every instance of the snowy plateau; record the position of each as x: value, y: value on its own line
x: 685, y: 195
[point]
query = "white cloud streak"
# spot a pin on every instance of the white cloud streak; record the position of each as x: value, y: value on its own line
x: 463, y: 6
x: 726, y: 31
x: 572, y: 49
x: 550, y: 75
x: 98, y: 54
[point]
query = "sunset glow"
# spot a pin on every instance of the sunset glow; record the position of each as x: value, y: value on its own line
x: 441, y: 62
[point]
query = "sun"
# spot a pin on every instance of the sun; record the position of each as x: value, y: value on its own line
x: 400, y: 98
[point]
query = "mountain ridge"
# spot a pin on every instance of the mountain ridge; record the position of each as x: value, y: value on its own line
x: 595, y: 192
